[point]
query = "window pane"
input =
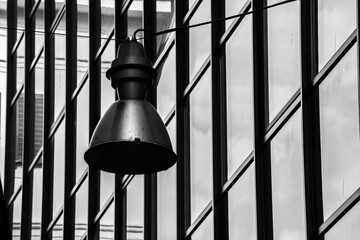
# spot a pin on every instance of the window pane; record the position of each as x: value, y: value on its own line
x: 20, y: 16
x: 336, y: 21
x: 242, y: 207
x: 107, y: 224
x: 60, y: 74
x: 135, y: 208
x: 81, y: 210
x: 56, y: 232
x: 200, y: 44
x: 16, y: 225
x: 3, y: 62
x: 340, y: 145
x: 233, y: 7
x: 39, y: 27
x: 206, y: 229
x: 347, y: 228
x: 107, y: 92
x: 82, y: 129
x: 165, y: 19
x: 107, y: 186
x: 107, y: 17
x: 19, y: 138
x: 166, y: 197
x: 135, y: 18
x: 39, y: 104
x: 288, y: 181
x: 200, y: 146
x: 284, y: 55
x: 83, y: 40
x: 58, y: 5
x: 239, y: 88
x: 37, y: 200
x: 20, y: 64
x: 59, y: 164
x: 166, y: 90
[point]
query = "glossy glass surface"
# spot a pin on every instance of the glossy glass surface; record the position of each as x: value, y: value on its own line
x: 60, y: 73
x: 3, y: 61
x: 58, y: 142
x: 20, y: 16
x: 39, y: 27
x: 233, y: 7
x: 58, y: 5
x: 135, y: 18
x: 339, y: 127
x: 107, y: 92
x: 37, y: 175
x: 107, y: 17
x: 20, y: 64
x: 16, y: 221
x: 239, y: 90
x: 347, y: 228
x: 82, y: 40
x: 107, y: 186
x: 287, y: 177
x: 82, y: 129
x: 205, y: 230
x: 81, y: 210
x: 242, y: 207
x: 283, y: 55
x: 200, y: 44
x: 165, y: 19
x: 18, y: 111
x: 166, y: 90
x: 336, y: 21
x: 200, y: 146
x: 135, y: 208
x: 107, y: 224
x: 57, y: 231
x: 166, y: 197
x: 39, y: 104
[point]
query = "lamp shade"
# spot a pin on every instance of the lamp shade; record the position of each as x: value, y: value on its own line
x: 131, y: 138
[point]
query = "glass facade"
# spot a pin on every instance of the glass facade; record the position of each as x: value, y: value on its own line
x: 262, y: 111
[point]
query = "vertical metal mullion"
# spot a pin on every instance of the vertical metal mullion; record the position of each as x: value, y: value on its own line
x: 261, y: 119
x: 182, y: 123
x: 4, y: 221
x: 94, y: 115
x: 120, y: 194
x: 311, y: 118
x: 47, y: 197
x: 70, y: 118
x: 150, y: 180
x: 29, y: 119
x: 219, y: 139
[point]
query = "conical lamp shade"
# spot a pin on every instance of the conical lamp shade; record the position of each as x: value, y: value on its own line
x: 130, y: 139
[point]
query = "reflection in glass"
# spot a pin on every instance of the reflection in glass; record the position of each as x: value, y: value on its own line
x: 107, y: 224
x: 20, y: 64
x: 336, y: 21
x: 37, y: 175
x: 284, y: 55
x: 205, y: 230
x: 107, y: 186
x: 135, y: 208
x: 39, y: 104
x: 57, y: 231
x: 200, y: 146
x: 242, y: 207
x: 107, y: 92
x: 135, y: 18
x: 165, y: 19
x: 60, y: 74
x: 233, y: 7
x: 339, y: 127
x: 16, y: 223
x: 18, y: 111
x: 58, y: 142
x: 107, y: 17
x: 239, y: 89
x: 82, y: 129
x: 166, y: 90
x: 166, y: 196
x: 287, y: 175
x: 347, y: 228
x: 58, y: 5
x: 39, y: 27
x: 200, y: 46
x: 82, y: 40
x: 81, y: 210
x: 20, y: 16
x: 3, y: 62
